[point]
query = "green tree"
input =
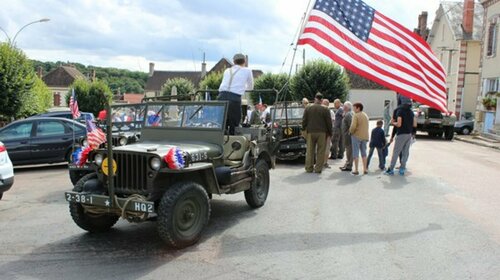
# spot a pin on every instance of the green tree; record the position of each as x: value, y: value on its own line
x: 212, y: 81
x: 16, y: 79
x: 35, y: 101
x: 271, y: 81
x: 184, y: 88
x: 320, y: 76
x: 92, y: 97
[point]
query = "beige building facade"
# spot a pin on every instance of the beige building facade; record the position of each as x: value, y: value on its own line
x: 488, y: 121
x: 455, y: 38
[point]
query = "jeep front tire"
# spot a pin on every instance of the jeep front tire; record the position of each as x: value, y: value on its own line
x: 256, y: 196
x: 89, y: 221
x: 183, y: 213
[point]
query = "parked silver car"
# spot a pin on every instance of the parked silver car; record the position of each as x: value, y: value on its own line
x: 464, y: 127
x: 6, y: 171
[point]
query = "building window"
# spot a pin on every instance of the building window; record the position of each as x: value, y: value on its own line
x: 492, y: 39
x: 491, y: 85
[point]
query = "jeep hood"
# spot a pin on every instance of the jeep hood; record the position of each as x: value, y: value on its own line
x: 193, y: 148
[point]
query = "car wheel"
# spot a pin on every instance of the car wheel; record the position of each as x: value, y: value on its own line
x: 183, y: 213
x: 89, y: 221
x: 76, y: 175
x: 256, y: 196
x: 1, y: 195
x: 465, y: 130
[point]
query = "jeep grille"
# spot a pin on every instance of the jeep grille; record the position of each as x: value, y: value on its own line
x: 132, y: 172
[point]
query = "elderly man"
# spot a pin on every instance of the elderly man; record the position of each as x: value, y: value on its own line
x: 337, y: 139
x: 318, y: 124
x: 346, y: 125
x: 235, y: 81
x: 305, y: 102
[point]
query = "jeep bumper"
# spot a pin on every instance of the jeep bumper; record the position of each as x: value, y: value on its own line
x: 104, y: 201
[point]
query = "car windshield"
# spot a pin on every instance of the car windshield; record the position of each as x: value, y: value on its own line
x: 186, y: 115
x: 127, y: 117
x: 290, y: 113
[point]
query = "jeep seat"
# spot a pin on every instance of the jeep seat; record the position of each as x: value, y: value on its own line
x: 231, y: 157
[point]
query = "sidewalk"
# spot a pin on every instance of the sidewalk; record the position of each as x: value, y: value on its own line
x: 479, y: 140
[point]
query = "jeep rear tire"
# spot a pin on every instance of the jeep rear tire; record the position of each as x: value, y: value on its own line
x: 89, y: 221
x: 183, y: 213
x: 449, y: 133
x: 256, y: 196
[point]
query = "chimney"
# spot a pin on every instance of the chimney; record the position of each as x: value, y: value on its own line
x: 468, y: 18
x: 39, y: 72
x: 151, y: 69
x: 203, y: 67
x: 422, y: 29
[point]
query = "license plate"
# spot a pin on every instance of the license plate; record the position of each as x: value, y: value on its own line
x: 79, y: 198
x: 105, y: 201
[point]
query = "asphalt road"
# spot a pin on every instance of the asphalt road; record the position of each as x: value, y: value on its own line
x: 438, y: 222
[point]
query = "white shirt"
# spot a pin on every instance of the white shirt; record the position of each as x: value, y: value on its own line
x: 242, y: 80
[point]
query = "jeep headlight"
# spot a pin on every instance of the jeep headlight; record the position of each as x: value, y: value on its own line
x: 123, y: 141
x: 98, y: 159
x: 155, y: 163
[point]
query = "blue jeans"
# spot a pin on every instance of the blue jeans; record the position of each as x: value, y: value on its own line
x: 381, y: 157
x: 358, y: 146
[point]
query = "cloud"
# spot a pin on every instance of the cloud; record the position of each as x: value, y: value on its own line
x: 123, y: 32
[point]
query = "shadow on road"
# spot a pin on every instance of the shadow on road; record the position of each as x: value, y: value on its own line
x: 395, y: 182
x: 286, y: 242
x: 129, y: 251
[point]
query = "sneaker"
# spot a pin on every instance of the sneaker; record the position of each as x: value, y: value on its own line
x: 402, y: 171
x: 389, y: 172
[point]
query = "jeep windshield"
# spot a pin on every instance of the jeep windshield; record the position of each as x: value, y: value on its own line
x: 205, y: 115
x: 290, y: 113
x: 127, y: 117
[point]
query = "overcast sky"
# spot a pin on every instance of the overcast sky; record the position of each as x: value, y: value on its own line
x: 173, y: 34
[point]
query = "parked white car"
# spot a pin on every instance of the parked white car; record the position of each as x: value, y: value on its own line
x: 6, y: 171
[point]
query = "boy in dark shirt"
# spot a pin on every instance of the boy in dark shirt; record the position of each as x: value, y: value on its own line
x: 378, y: 141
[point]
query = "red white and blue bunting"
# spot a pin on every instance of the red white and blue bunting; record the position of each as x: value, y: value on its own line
x: 174, y: 159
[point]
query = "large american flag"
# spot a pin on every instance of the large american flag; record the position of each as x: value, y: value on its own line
x: 95, y: 136
x: 372, y: 45
x: 73, y: 105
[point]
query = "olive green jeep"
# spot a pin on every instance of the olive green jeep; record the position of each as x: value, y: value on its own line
x: 169, y: 176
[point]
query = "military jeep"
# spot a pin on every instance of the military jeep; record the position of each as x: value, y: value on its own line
x: 126, y: 129
x: 181, y: 160
x: 435, y: 123
x: 287, y: 120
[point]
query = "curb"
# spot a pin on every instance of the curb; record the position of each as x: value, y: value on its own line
x: 477, y: 143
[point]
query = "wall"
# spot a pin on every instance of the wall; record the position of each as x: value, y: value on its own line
x: 471, y: 85
x: 372, y: 100
x: 62, y: 92
x: 490, y: 67
x: 442, y: 43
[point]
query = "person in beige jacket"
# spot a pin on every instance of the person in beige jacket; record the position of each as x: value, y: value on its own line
x: 359, y: 136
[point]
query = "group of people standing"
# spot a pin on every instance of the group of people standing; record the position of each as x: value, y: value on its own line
x: 329, y: 134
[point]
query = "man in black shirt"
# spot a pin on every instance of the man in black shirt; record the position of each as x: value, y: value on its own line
x: 404, y: 124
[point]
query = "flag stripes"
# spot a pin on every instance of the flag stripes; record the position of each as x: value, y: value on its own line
x: 391, y: 55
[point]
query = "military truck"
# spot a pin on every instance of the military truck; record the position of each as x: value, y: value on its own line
x: 126, y: 129
x: 287, y: 120
x: 182, y: 159
x: 435, y: 123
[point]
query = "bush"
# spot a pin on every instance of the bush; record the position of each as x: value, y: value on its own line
x: 212, y: 81
x: 36, y: 101
x: 184, y: 88
x: 271, y: 81
x: 92, y: 97
x: 320, y: 76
